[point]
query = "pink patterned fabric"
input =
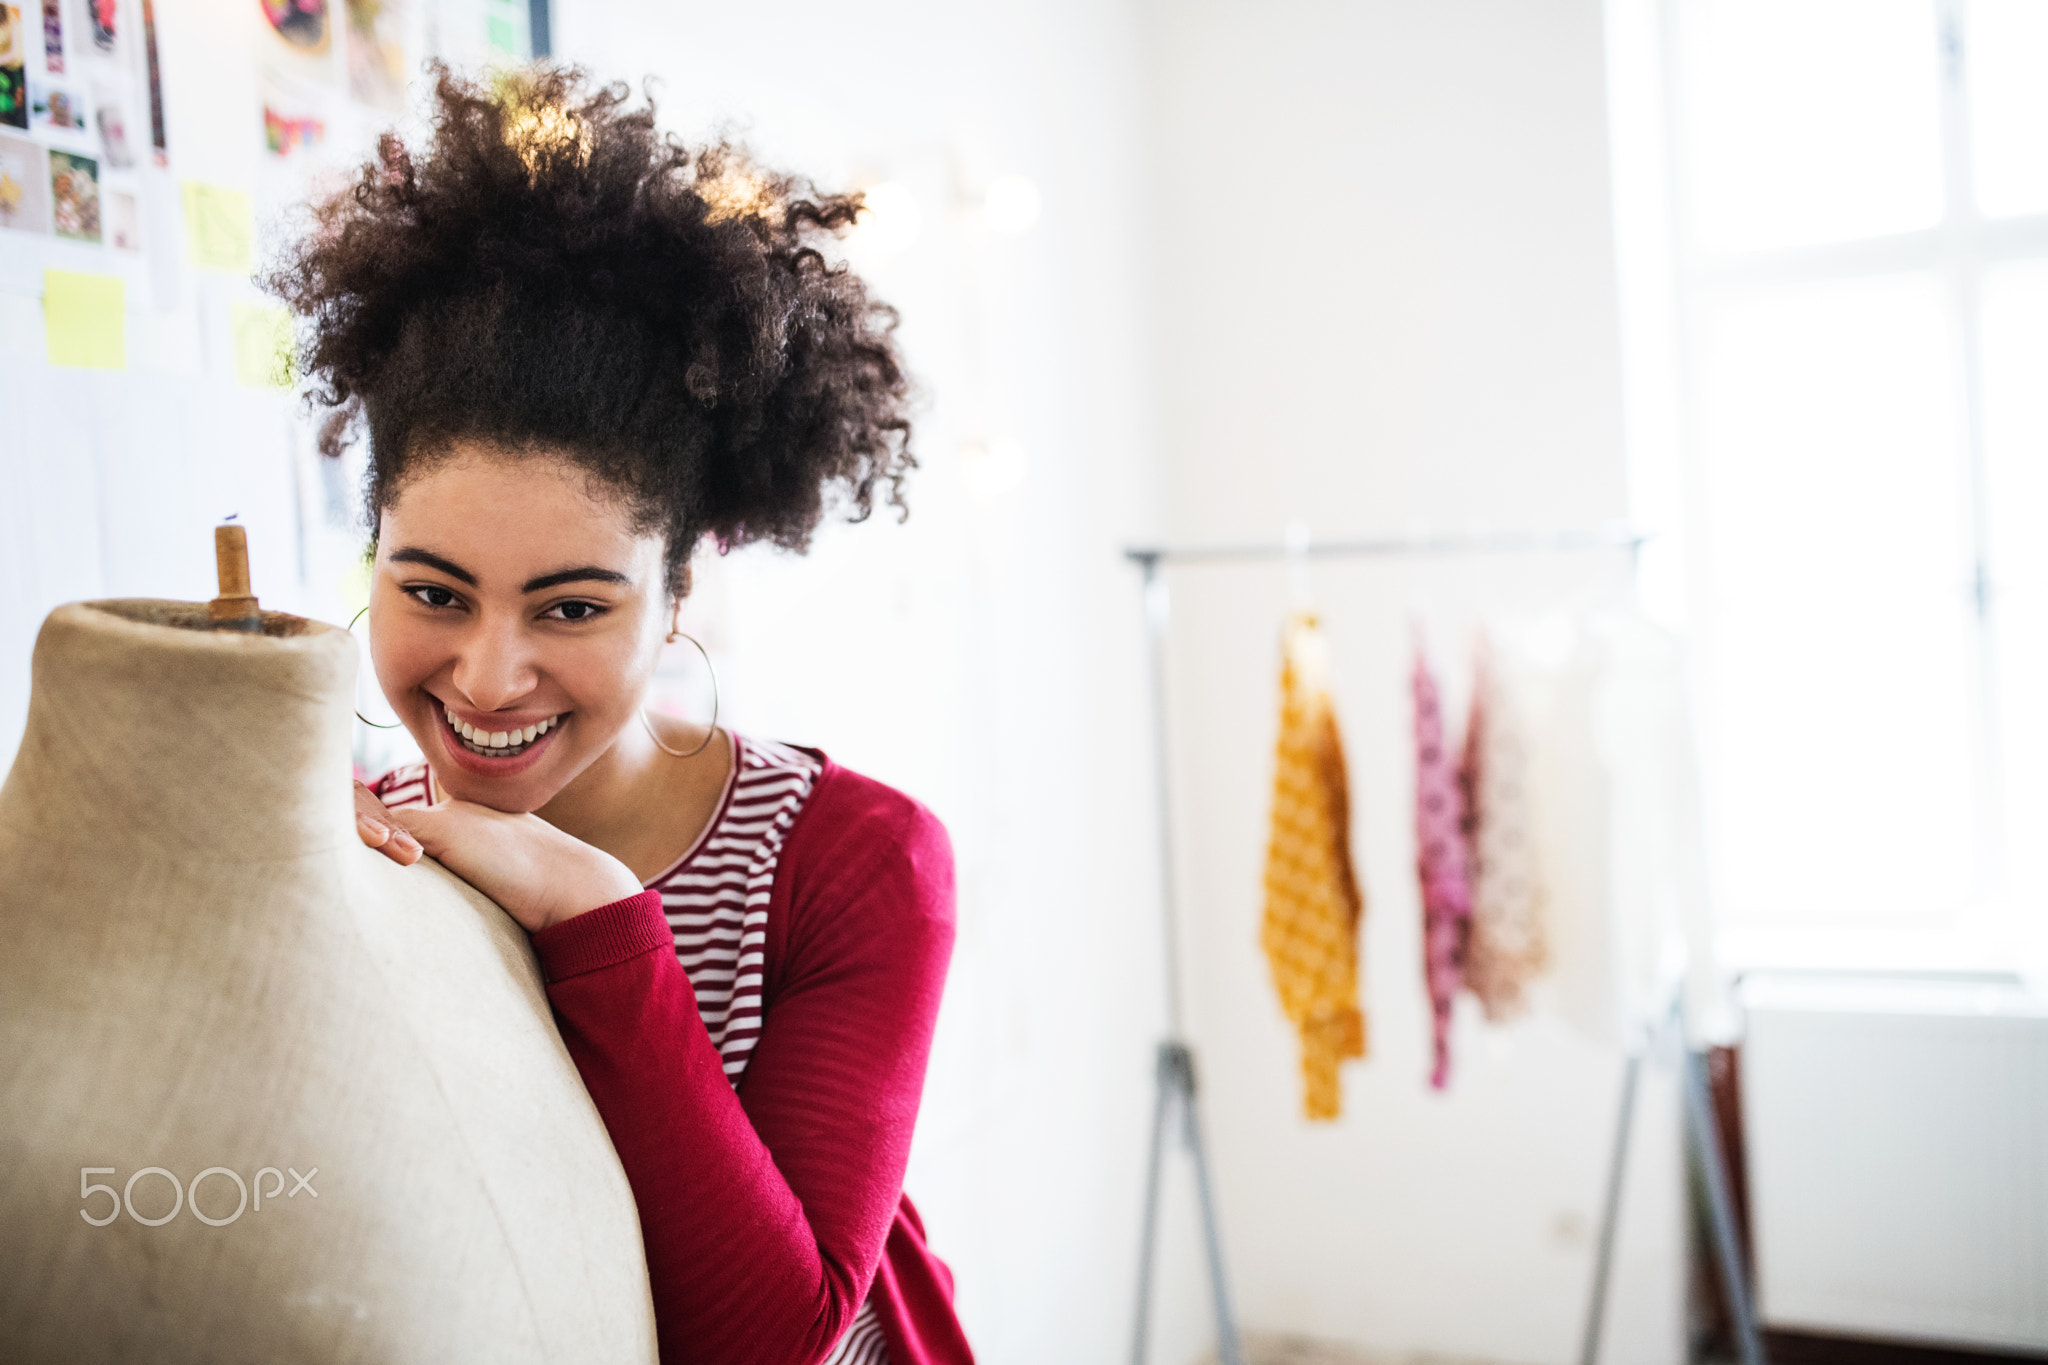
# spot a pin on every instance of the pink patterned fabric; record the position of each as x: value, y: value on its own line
x: 1442, y: 863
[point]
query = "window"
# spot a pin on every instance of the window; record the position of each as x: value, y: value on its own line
x: 1833, y: 228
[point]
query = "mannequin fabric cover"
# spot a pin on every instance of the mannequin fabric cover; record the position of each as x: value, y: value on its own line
x: 207, y: 972
x: 1313, y: 905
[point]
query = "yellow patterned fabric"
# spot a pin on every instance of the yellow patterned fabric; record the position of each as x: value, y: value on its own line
x: 1313, y: 907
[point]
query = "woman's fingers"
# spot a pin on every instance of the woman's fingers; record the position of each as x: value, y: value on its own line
x: 380, y: 829
x: 480, y: 845
x: 429, y: 827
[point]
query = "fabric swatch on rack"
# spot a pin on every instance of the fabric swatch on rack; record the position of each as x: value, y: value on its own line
x: 1615, y: 805
x: 1313, y: 905
x: 1441, y: 865
x: 1509, y: 943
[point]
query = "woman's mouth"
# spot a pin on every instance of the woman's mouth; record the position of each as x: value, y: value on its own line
x: 497, y: 743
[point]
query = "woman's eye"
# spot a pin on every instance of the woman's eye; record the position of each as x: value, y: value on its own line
x: 576, y: 611
x: 434, y: 596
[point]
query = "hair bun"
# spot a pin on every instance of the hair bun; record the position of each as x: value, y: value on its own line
x: 550, y: 271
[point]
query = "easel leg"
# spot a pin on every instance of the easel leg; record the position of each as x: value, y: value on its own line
x: 1610, y: 1214
x: 1706, y: 1144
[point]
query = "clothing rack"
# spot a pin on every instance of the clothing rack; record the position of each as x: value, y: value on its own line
x: 1174, y: 1072
x: 1300, y: 545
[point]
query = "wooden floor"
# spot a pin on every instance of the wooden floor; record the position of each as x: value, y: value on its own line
x: 1279, y: 1348
x: 1781, y: 1348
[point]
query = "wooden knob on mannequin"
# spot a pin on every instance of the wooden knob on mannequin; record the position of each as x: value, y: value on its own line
x: 235, y: 608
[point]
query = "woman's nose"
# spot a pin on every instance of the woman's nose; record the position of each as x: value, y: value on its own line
x: 495, y: 668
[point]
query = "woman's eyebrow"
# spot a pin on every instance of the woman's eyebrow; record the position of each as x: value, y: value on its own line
x: 589, y: 573
x: 409, y: 555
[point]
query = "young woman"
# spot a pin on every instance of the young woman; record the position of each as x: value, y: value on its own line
x: 578, y: 348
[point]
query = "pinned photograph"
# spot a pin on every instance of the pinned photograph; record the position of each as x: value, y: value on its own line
x: 13, y: 68
x: 53, y: 37
x: 301, y: 23
x: 75, y: 196
x: 56, y: 106
x: 376, y: 53
x: 124, y: 221
x: 101, y: 12
x: 113, y: 134
x: 285, y: 134
x: 24, y: 185
x: 294, y: 115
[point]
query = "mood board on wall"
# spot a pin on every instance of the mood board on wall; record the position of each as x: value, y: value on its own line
x: 155, y: 156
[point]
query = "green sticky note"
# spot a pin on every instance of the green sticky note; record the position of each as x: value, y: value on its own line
x: 218, y: 227
x: 85, y: 320
x: 263, y: 345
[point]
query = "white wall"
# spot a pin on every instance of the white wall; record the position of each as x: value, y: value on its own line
x: 1385, y: 285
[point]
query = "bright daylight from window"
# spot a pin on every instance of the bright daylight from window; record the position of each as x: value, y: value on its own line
x: 1859, y: 207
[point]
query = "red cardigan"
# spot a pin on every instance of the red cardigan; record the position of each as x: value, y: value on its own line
x: 769, y: 1213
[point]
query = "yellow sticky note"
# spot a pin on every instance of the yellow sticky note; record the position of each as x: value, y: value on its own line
x: 218, y: 227
x: 85, y: 320
x: 263, y: 346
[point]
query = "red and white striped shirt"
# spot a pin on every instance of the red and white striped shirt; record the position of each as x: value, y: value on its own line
x: 716, y: 899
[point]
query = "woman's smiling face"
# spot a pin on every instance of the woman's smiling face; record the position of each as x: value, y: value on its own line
x: 515, y: 617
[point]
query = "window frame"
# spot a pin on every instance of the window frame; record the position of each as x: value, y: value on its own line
x: 1667, y: 281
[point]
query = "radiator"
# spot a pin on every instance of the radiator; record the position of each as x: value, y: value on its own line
x: 1896, y: 1132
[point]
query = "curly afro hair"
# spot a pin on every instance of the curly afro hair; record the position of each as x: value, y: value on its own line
x: 555, y: 276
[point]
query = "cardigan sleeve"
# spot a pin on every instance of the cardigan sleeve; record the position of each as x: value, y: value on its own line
x: 765, y: 1211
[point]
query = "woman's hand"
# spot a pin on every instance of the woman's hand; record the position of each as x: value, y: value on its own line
x: 540, y: 875
x: 380, y: 829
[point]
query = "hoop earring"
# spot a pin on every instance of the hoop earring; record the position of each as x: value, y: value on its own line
x: 710, y: 733
x: 359, y: 715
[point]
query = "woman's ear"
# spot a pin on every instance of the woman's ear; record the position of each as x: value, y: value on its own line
x: 677, y: 596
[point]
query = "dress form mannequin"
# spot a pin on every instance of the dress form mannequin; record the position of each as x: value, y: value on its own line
x: 201, y: 967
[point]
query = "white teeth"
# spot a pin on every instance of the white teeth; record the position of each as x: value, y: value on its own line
x: 497, y: 743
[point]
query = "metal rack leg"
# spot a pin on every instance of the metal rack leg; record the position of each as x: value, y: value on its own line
x: 1176, y: 1080
x: 1610, y: 1213
x: 1212, y: 1235
x: 1150, y: 1237
x: 1706, y: 1143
